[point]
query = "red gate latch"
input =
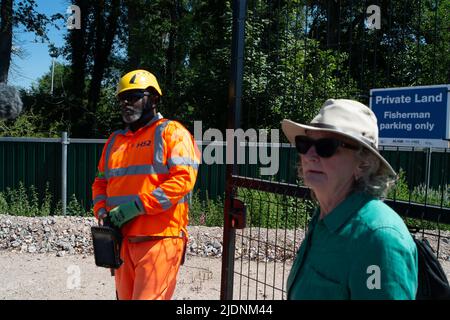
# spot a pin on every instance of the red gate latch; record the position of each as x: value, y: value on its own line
x: 238, y: 214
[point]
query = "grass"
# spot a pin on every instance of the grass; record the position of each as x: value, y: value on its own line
x: 25, y: 202
x: 275, y: 211
x: 208, y: 212
x: 421, y: 194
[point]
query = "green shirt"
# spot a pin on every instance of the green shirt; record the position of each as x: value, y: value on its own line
x: 360, y: 250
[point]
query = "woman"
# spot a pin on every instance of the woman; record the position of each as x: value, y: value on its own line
x: 356, y: 247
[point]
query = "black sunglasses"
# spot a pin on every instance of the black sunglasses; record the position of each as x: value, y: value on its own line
x: 325, y: 147
x: 131, y: 97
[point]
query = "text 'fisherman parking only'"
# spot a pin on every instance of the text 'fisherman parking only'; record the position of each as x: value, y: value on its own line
x: 413, y: 116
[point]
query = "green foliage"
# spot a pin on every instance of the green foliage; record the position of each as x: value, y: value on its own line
x: 192, y: 60
x: 50, y: 112
x: 18, y: 199
x: 419, y: 45
x: 270, y: 210
x: 34, y: 206
x: 401, y: 189
x: 421, y: 194
x: 296, y: 56
x: 74, y: 208
x: 206, y: 212
x: 45, y: 115
x: 46, y: 206
x: 28, y: 124
x: 58, y: 209
x: 287, y: 73
x: 22, y: 202
x: 437, y: 197
x: 107, y: 114
x: 25, y: 202
x: 3, y: 204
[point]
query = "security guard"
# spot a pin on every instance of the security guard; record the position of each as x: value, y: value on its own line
x: 145, y: 175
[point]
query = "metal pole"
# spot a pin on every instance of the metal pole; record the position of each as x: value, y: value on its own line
x: 234, y: 122
x: 64, y: 143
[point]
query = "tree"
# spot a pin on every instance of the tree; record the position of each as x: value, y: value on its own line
x: 6, y: 27
x: 50, y: 113
x: 89, y: 50
x: 186, y: 44
x: 44, y: 115
x: 22, y: 13
x: 411, y: 43
x: 288, y: 74
x: 297, y: 54
x: 106, y: 21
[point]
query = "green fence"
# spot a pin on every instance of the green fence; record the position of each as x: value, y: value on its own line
x: 33, y: 162
x: 38, y: 162
x: 82, y: 160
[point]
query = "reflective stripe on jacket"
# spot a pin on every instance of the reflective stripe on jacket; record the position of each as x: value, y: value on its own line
x: 157, y: 168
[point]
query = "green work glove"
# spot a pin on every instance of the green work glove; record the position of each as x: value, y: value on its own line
x: 124, y: 213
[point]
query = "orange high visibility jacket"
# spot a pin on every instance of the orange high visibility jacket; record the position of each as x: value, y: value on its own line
x: 157, y: 168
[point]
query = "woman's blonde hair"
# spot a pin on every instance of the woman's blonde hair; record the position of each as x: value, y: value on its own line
x: 375, y: 179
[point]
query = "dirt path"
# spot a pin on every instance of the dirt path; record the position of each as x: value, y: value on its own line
x: 45, y: 276
x: 75, y: 277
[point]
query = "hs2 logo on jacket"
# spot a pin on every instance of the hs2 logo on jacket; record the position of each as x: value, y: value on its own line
x: 124, y: 147
x: 143, y: 144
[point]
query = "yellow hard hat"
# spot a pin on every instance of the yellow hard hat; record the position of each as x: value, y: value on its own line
x: 138, y: 79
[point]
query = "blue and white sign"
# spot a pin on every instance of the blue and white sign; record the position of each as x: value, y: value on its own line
x: 413, y: 116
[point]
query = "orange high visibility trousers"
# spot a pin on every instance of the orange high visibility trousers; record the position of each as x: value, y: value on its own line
x: 149, y: 270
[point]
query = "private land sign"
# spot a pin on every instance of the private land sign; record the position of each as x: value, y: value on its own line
x: 413, y: 116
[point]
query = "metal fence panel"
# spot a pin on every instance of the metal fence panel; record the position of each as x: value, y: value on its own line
x: 82, y: 164
x: 32, y: 163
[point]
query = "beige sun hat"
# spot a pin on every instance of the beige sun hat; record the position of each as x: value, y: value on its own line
x: 348, y: 118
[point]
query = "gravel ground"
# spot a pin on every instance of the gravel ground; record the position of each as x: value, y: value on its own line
x: 51, y: 258
x: 76, y: 277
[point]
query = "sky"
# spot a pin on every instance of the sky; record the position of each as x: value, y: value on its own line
x: 36, y: 60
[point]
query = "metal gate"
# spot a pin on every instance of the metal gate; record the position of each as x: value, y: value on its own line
x: 288, y: 57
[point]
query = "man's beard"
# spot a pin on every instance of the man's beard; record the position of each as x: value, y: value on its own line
x: 131, y: 114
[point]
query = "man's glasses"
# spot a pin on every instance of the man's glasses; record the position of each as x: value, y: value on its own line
x: 325, y: 147
x: 131, y: 97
